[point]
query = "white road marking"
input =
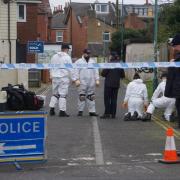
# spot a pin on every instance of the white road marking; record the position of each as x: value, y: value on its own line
x: 97, y: 142
x: 154, y: 154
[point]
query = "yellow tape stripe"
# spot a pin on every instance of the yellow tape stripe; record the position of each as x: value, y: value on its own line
x: 21, y: 116
x: 39, y: 158
x: 166, y: 125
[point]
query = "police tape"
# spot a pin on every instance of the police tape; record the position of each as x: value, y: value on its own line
x: 129, y: 65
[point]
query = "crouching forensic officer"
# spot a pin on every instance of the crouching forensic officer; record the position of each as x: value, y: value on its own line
x: 60, y: 81
x: 158, y: 100
x: 86, y: 80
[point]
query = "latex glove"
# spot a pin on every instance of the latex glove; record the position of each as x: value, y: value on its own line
x: 97, y: 83
x: 77, y: 83
x: 145, y: 107
x: 125, y: 105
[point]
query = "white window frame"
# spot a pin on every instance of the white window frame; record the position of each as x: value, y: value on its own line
x: 106, y: 33
x: 100, y: 11
x: 57, y: 36
x: 18, y: 19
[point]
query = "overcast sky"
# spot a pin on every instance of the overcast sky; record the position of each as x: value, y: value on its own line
x: 62, y: 2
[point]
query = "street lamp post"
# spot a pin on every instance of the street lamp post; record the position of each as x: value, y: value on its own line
x: 155, y: 80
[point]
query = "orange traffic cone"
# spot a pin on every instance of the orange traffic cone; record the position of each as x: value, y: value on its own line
x: 170, y: 154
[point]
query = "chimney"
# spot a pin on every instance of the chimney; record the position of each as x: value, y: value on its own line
x: 58, y: 9
x: 147, y: 2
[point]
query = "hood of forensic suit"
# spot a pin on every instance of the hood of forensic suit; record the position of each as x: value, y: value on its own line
x: 61, y: 54
x: 138, y: 81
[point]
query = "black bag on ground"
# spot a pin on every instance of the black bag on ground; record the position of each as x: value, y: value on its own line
x: 18, y: 98
x: 32, y: 102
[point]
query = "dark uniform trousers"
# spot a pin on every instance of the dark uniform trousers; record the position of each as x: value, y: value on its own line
x: 178, y: 110
x: 110, y: 100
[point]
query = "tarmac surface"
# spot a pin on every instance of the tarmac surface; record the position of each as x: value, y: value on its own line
x: 90, y: 148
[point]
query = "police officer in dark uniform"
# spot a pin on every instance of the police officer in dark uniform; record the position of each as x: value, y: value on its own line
x: 173, y: 80
x: 111, y: 87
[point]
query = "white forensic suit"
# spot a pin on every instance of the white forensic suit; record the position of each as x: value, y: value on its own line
x: 86, y: 89
x: 60, y: 80
x: 160, y: 101
x: 136, y: 97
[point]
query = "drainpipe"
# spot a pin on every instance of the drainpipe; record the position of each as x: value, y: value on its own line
x: 9, y: 32
x: 71, y: 38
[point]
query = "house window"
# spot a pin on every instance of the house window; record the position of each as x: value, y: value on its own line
x: 59, y: 36
x: 145, y: 12
x: 136, y: 11
x: 141, y: 12
x: 102, y: 8
x: 106, y: 36
x: 21, y: 13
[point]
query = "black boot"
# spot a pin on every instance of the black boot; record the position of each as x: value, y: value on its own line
x: 63, y: 114
x: 127, y: 117
x: 51, y: 112
x: 146, y: 117
x: 93, y: 114
x: 134, y: 116
x: 105, y: 116
x: 80, y: 113
x: 113, y: 116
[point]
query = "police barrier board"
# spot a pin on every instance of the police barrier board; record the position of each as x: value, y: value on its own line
x: 22, y: 136
x: 91, y: 65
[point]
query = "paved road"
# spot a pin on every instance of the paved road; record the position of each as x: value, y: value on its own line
x: 85, y: 148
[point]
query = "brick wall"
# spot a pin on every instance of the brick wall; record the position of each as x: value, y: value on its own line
x: 96, y: 29
x: 42, y: 27
x: 27, y: 31
x: 79, y: 35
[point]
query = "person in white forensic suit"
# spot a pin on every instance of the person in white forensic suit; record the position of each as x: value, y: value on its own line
x: 158, y: 100
x: 136, y: 98
x: 60, y: 81
x: 86, y: 81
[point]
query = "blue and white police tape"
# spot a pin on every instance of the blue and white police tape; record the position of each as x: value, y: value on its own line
x: 91, y: 66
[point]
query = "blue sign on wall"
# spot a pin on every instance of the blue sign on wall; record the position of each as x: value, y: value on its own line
x: 35, y: 46
x: 22, y: 134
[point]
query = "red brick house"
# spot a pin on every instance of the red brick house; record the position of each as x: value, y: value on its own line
x: 34, y: 18
x: 32, y: 24
x: 59, y: 31
x: 92, y: 24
